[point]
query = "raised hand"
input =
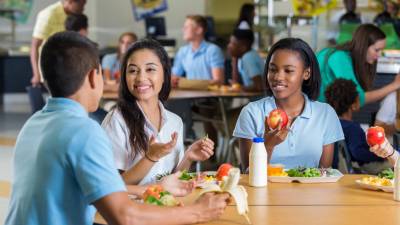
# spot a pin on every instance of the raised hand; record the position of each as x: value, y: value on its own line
x: 276, y: 136
x: 158, y: 150
x: 200, y: 150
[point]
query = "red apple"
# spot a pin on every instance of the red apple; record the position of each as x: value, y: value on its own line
x: 275, y: 116
x: 223, y: 170
x: 375, y: 136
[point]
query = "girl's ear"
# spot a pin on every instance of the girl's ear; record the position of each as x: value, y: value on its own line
x: 307, y: 74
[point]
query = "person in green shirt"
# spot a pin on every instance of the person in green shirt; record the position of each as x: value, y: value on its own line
x: 356, y: 60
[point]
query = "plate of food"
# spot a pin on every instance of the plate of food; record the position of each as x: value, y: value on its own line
x: 382, y: 182
x: 202, y: 179
x: 305, y: 175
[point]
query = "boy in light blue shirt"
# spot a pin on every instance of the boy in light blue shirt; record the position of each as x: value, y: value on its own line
x: 245, y: 61
x: 63, y: 160
x: 199, y: 60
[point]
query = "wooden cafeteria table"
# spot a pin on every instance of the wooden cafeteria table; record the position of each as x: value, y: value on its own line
x: 338, y: 203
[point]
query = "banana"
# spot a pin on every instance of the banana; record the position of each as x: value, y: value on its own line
x: 230, y: 184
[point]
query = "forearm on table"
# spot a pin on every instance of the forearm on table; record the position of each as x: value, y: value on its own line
x: 134, y: 175
x: 218, y: 76
x: 137, y: 190
x: 116, y: 208
x: 378, y: 94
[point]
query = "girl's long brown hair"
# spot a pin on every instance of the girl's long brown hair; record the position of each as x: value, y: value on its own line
x: 127, y: 104
x: 365, y: 36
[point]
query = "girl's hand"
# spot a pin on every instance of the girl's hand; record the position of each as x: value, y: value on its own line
x: 383, y: 150
x: 200, y: 150
x: 176, y: 187
x: 158, y: 150
x: 275, y: 137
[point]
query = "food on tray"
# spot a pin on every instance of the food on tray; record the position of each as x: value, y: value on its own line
x: 225, y: 88
x: 201, y: 179
x: 230, y: 184
x: 377, y: 181
x: 236, y: 87
x: 223, y: 171
x: 156, y: 195
x: 375, y: 136
x: 304, y: 172
x: 386, y: 173
x: 276, y: 170
x: 276, y: 116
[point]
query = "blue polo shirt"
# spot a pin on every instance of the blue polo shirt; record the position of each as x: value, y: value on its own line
x: 63, y: 163
x: 249, y: 66
x: 316, y: 126
x: 198, y: 64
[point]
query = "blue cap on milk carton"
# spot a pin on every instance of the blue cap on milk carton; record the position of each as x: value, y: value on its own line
x: 258, y: 140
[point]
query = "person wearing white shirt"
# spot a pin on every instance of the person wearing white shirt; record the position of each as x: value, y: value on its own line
x: 386, y: 116
x: 147, y: 139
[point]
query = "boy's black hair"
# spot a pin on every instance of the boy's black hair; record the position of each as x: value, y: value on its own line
x: 341, y: 94
x: 311, y: 86
x: 65, y: 60
x: 244, y: 36
x: 76, y: 22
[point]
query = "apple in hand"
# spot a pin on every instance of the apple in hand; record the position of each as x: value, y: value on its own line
x: 223, y: 171
x: 375, y: 136
x: 275, y: 116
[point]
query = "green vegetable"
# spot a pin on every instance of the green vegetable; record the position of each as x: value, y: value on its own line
x: 386, y: 173
x: 185, y: 175
x: 304, y: 172
x: 153, y: 200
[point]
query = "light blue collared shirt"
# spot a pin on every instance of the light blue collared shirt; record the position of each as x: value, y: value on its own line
x: 317, y: 125
x: 198, y: 64
x: 63, y: 162
x: 249, y: 66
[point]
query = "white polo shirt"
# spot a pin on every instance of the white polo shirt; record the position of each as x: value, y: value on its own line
x: 118, y: 132
x: 387, y: 111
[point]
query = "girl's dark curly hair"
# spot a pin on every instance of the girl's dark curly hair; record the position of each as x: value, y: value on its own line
x: 341, y: 94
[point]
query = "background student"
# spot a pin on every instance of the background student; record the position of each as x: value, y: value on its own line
x: 342, y: 95
x: 246, y: 62
x: 49, y: 21
x: 356, y: 60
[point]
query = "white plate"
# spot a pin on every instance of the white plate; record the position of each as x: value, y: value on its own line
x: 375, y: 187
x: 336, y: 175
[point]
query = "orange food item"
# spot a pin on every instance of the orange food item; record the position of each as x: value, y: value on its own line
x: 236, y: 87
x: 274, y: 169
x: 224, y: 88
x: 153, y: 190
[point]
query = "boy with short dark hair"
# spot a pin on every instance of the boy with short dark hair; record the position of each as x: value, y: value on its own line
x: 77, y: 23
x: 63, y: 160
x: 245, y: 60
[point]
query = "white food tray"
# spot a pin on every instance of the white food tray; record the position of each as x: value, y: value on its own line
x: 334, y: 177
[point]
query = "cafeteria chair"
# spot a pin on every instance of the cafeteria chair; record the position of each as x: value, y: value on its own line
x: 346, y: 31
x: 342, y: 159
x: 36, y: 99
